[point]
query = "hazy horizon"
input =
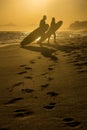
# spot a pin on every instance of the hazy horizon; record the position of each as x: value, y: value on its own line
x: 26, y: 14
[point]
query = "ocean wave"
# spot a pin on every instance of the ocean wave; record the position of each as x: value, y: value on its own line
x: 12, y: 37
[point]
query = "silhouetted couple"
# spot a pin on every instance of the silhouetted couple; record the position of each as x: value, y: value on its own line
x: 52, y: 24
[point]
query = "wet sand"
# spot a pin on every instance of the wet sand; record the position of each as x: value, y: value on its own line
x: 43, y: 88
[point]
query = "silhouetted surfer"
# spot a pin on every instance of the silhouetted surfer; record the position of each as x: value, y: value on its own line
x: 42, y: 22
x: 42, y: 25
x: 51, y: 27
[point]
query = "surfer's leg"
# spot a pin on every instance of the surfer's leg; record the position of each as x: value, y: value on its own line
x: 55, y: 37
x: 48, y: 39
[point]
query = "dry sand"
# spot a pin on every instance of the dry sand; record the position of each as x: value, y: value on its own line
x: 43, y: 88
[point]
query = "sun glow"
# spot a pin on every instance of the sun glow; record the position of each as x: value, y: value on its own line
x: 35, y: 6
x: 39, y: 2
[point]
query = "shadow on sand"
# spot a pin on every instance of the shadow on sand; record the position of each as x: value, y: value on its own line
x: 64, y: 48
x: 45, y: 51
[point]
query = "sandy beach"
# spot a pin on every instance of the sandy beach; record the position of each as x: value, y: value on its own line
x: 44, y: 88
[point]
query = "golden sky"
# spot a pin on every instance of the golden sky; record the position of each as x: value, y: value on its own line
x: 27, y: 13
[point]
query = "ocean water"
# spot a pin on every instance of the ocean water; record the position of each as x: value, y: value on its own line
x: 8, y: 38
x: 12, y: 37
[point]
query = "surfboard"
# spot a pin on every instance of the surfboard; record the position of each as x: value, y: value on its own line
x: 51, y: 31
x: 38, y: 32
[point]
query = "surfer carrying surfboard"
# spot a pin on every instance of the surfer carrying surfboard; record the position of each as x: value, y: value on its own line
x: 51, y: 28
x: 43, y: 24
x: 42, y: 21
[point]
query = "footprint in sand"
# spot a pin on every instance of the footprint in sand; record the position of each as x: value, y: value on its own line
x: 52, y: 94
x: 81, y: 71
x: 23, y: 72
x: 22, y: 113
x: 50, y: 68
x: 50, y: 105
x: 32, y: 62
x: 39, y: 57
x: 85, y: 63
x: 44, y: 74
x: 54, y: 58
x: 12, y: 101
x: 27, y: 90
x: 22, y: 65
x: 71, y: 123
x: 50, y: 79
x: 4, y: 129
x: 28, y: 77
x: 18, y: 84
x: 44, y: 85
x: 28, y: 68
x: 77, y: 64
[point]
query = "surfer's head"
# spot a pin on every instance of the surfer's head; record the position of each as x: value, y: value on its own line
x: 53, y: 18
x: 44, y: 17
